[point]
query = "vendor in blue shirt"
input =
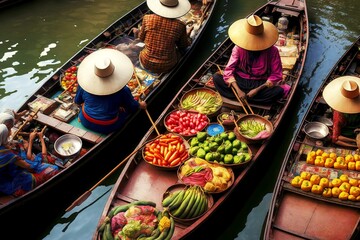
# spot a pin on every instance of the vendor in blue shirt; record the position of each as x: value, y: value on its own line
x: 106, y: 100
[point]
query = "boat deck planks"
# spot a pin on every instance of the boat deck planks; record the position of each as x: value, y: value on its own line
x: 308, y: 215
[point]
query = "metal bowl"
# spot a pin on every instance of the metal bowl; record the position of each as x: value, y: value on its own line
x: 327, y: 121
x: 68, y: 145
x: 316, y: 130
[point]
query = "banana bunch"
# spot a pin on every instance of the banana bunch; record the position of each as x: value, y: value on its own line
x: 186, y: 203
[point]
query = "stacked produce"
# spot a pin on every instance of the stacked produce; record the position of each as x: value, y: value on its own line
x: 186, y: 123
x: 227, y: 119
x: 254, y: 129
x: 211, y: 177
x: 332, y: 160
x: 137, y: 220
x: 69, y: 80
x: 187, y: 203
x: 168, y: 150
x: 343, y: 187
x: 223, y: 148
x: 202, y: 100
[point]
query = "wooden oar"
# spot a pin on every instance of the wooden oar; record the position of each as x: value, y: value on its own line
x: 68, y: 87
x: 234, y: 119
x: 85, y: 195
x: 23, y: 125
x: 239, y: 100
x: 237, y: 96
x: 142, y: 92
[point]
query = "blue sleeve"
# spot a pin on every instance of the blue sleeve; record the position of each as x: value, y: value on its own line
x: 128, y: 99
x: 79, y: 96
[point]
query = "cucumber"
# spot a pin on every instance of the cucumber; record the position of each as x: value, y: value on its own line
x: 149, y: 203
x: 171, y: 230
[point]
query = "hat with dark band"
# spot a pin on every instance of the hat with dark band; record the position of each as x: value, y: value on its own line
x: 169, y: 8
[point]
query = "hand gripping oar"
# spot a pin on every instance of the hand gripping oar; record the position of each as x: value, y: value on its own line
x: 23, y: 125
x: 86, y: 194
x: 142, y: 92
x: 237, y: 96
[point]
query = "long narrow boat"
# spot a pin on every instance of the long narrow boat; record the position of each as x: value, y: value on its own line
x: 141, y: 181
x: 57, y: 112
x: 298, y: 214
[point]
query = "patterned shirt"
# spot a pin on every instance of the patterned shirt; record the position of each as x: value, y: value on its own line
x: 163, y: 38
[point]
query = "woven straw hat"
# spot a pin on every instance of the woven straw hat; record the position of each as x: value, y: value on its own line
x: 169, y: 8
x: 253, y: 33
x: 342, y: 94
x: 105, y: 71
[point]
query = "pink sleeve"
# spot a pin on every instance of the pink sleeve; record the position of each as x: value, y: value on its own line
x: 231, y: 65
x: 276, y: 67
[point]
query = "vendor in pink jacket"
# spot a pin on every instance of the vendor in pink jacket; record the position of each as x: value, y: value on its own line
x: 254, y: 69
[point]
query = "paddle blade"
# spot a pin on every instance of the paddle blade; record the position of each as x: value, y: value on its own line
x: 79, y: 201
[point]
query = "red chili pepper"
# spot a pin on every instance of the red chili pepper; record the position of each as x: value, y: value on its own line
x: 162, y: 150
x: 149, y: 158
x: 156, y: 150
x: 173, y: 156
x: 182, y: 148
x: 147, y: 153
x: 176, y: 161
x: 159, y: 156
x: 184, y: 156
x: 168, y: 155
x: 174, y: 142
x: 178, y: 146
x: 163, y: 144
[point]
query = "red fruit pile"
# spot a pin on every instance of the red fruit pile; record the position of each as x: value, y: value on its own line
x: 186, y: 123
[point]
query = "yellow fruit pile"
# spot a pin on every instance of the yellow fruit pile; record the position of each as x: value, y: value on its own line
x: 331, y: 160
x: 344, y: 188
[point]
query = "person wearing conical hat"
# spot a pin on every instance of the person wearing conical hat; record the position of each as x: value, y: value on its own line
x: 343, y: 96
x: 254, y: 69
x: 165, y: 36
x: 106, y: 100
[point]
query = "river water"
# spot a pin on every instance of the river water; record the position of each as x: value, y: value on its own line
x: 38, y: 36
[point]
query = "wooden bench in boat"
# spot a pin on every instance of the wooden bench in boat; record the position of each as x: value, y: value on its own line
x: 235, y: 104
x: 68, y: 128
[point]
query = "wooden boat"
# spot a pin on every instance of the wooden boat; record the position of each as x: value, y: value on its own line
x: 57, y: 112
x: 142, y: 181
x: 296, y: 214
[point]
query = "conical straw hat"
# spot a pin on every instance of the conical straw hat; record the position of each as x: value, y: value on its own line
x: 253, y: 33
x: 169, y: 8
x: 105, y: 71
x: 342, y: 94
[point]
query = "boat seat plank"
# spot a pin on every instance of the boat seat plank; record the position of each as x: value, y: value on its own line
x: 67, y: 128
x: 235, y: 104
x: 315, y: 218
